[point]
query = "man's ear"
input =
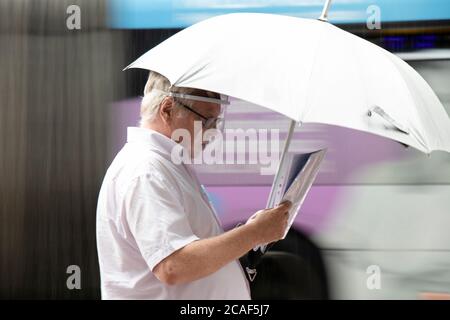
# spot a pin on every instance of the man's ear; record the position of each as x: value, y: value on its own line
x: 166, y: 109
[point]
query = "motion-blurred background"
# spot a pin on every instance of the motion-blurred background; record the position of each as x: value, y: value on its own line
x: 65, y: 104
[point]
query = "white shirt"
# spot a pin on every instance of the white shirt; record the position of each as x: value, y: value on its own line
x: 148, y: 208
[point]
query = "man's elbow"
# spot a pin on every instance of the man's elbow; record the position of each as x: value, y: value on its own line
x: 166, y: 273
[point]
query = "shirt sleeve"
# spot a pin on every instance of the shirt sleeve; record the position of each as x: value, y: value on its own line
x: 156, y: 218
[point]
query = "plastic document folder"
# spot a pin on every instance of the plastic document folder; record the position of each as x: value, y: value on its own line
x: 296, y: 182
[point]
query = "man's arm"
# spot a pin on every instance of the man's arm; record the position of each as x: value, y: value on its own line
x: 204, y: 257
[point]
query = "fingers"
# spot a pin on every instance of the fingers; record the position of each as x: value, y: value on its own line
x: 273, y: 221
x: 285, y: 205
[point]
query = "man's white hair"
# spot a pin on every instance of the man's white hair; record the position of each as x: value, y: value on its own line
x: 155, y: 91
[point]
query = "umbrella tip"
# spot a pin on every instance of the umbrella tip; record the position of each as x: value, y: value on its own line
x: 324, y: 16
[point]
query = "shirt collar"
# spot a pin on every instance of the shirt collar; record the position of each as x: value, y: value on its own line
x: 152, y: 138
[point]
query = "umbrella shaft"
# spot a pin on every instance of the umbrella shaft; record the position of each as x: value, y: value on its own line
x: 281, y: 166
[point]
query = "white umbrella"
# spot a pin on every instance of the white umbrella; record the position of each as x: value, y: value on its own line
x: 308, y: 70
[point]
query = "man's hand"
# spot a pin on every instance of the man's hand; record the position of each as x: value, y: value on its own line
x: 270, y: 224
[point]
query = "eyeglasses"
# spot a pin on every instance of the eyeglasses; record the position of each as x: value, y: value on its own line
x: 207, y: 123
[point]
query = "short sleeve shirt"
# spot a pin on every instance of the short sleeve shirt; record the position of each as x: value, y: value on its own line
x: 148, y: 208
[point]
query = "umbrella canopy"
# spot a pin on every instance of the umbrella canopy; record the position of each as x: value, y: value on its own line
x: 308, y: 70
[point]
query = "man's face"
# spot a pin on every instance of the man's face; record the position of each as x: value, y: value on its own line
x: 186, y: 120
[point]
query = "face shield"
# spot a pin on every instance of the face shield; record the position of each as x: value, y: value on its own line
x: 210, y: 123
x: 212, y: 134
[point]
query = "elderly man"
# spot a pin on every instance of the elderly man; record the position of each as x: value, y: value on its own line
x: 158, y: 236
